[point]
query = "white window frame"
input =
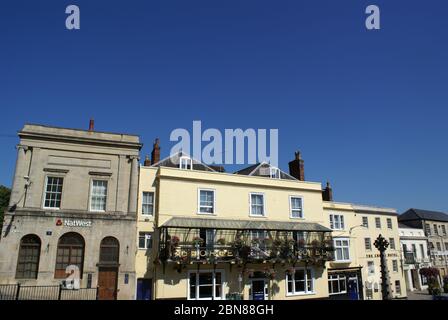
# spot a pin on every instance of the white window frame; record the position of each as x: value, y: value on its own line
x: 197, y: 272
x: 342, y: 249
x: 392, y: 241
x: 365, y: 225
x: 274, y: 173
x: 301, y: 293
x: 370, y: 243
x: 184, y: 162
x: 291, y: 210
x: 394, y: 264
x: 91, y: 194
x: 264, y: 204
x: 370, y: 271
x: 151, y: 214
x: 147, y: 235
x: 376, y: 224
x: 45, y: 191
x: 389, y: 223
x: 337, y: 278
x: 341, y: 221
x: 199, y: 201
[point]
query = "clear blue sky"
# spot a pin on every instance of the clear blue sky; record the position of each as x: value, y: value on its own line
x: 367, y: 109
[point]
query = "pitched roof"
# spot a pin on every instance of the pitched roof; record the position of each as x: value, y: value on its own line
x: 420, y: 214
x: 186, y: 222
x: 404, y: 226
x: 248, y: 170
x: 173, y: 162
x: 263, y: 170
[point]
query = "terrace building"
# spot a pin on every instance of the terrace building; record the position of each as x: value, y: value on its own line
x: 355, y: 271
x: 259, y: 233
x: 435, y: 226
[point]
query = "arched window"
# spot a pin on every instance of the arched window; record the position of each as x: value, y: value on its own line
x: 29, y: 254
x: 109, y: 251
x: 70, y: 252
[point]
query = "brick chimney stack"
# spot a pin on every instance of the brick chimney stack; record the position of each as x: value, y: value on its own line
x: 91, y: 125
x: 327, y: 193
x: 155, y: 154
x: 147, y: 161
x: 297, y: 168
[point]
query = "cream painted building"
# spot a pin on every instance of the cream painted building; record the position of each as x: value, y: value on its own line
x: 357, y: 263
x: 194, y: 222
x: 256, y: 234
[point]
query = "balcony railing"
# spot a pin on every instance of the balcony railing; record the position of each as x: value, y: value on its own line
x: 409, y: 258
x: 316, y: 249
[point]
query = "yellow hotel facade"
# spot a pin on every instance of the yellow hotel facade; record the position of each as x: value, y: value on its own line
x: 257, y: 234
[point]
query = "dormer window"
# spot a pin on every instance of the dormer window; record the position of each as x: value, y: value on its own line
x: 274, y: 173
x: 185, y: 163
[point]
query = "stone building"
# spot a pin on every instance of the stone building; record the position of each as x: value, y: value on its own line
x: 435, y: 225
x: 73, y: 204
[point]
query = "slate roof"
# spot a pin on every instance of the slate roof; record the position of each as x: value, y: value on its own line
x: 263, y: 170
x: 420, y: 214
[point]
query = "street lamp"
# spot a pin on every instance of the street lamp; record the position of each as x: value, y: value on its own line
x: 381, y: 244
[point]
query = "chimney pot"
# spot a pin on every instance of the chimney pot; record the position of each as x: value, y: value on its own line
x: 296, y: 167
x: 327, y: 193
x: 91, y: 124
x: 155, y: 154
x: 147, y: 161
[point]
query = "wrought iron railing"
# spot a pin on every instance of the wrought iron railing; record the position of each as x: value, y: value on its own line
x: 409, y: 258
x: 24, y: 292
x: 237, y: 253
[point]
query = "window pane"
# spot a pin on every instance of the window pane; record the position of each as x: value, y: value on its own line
x: 98, y: 195
x: 206, y: 201
x: 192, y: 285
x: 205, y: 291
x: 148, y: 203
x: 205, y: 278
x: 53, y: 192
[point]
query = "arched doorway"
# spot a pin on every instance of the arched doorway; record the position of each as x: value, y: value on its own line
x: 108, y: 268
x: 70, y: 252
x: 28, y: 259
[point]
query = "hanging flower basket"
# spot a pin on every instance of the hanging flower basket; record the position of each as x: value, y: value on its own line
x: 315, y: 243
x: 174, y: 240
x: 221, y: 241
x: 238, y: 242
x: 269, y: 273
x: 198, y: 241
x: 301, y: 243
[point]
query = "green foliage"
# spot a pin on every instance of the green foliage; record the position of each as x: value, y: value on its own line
x: 5, y: 194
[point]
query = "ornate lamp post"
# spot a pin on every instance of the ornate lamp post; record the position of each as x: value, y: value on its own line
x: 381, y: 244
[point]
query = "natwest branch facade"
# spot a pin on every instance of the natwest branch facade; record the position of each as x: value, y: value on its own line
x: 73, y: 203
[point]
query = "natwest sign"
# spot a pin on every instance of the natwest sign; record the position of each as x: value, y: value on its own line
x: 73, y: 223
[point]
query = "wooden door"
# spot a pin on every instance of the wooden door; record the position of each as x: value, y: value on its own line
x: 107, y: 283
